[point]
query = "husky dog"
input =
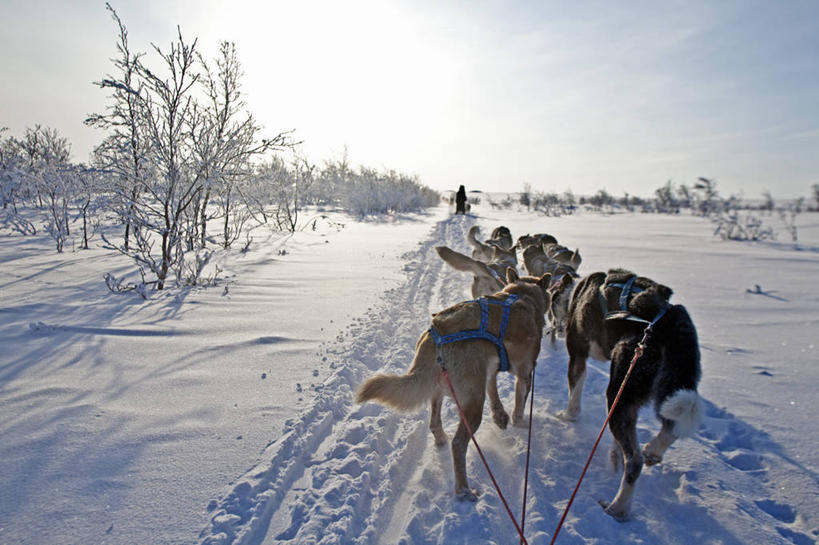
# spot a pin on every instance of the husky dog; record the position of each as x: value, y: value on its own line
x: 564, y: 279
x: 502, y: 236
x: 561, y: 254
x: 534, y: 240
x: 537, y: 262
x: 472, y: 365
x: 608, y: 315
x: 485, y: 251
x: 487, y: 278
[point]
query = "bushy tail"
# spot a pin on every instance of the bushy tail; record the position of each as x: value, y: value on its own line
x: 684, y: 408
x: 402, y: 392
x: 461, y: 262
x: 472, y: 237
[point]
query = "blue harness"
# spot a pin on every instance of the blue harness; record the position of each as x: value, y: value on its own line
x: 483, y: 332
x: 627, y: 288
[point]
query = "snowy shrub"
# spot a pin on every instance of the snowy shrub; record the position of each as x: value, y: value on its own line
x: 737, y: 225
x: 193, y: 270
x: 788, y: 217
x: 370, y: 192
x: 118, y: 285
x: 665, y: 202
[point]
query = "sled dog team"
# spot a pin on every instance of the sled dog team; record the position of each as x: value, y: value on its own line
x: 603, y: 315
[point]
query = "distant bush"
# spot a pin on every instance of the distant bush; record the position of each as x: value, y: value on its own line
x: 737, y: 225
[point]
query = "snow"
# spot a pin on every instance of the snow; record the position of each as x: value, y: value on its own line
x: 225, y: 414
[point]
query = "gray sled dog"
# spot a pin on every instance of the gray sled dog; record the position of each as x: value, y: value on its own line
x: 499, y: 249
x: 537, y: 262
x: 502, y: 236
x: 538, y: 239
x: 608, y: 315
x: 472, y: 365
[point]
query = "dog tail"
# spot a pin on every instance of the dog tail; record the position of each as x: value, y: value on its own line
x: 684, y: 408
x: 405, y: 392
x: 472, y: 237
x: 464, y: 263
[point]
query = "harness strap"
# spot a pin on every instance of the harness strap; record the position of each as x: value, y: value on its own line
x: 483, y: 332
x: 627, y: 288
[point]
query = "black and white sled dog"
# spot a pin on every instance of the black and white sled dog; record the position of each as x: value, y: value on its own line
x: 608, y: 315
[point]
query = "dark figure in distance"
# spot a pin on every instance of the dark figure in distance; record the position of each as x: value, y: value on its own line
x: 460, y: 201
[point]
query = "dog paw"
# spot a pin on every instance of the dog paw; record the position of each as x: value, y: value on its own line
x: 650, y: 458
x: 441, y: 440
x: 568, y: 416
x: 466, y: 494
x: 520, y: 422
x: 616, y: 514
x: 501, y: 419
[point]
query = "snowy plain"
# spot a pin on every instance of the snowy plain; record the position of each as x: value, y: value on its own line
x: 225, y: 414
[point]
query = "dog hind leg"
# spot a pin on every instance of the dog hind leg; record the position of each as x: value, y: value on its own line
x: 499, y: 416
x: 623, y: 426
x: 577, y: 377
x: 654, y: 450
x: 522, y: 385
x: 435, y: 425
x: 578, y: 346
x: 473, y: 412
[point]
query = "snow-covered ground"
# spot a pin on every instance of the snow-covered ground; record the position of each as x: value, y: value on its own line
x: 225, y: 415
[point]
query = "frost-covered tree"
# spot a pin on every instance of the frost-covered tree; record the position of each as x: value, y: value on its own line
x: 91, y: 198
x: 685, y: 196
x: 149, y: 149
x: 707, y: 197
x: 55, y: 190
x: 168, y: 113
x: 767, y: 201
x: 10, y: 172
x: 125, y: 151
x: 225, y: 140
x: 664, y: 199
x: 332, y: 179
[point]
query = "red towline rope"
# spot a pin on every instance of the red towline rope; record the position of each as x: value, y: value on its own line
x: 485, y: 463
x: 638, y: 351
x: 528, y: 451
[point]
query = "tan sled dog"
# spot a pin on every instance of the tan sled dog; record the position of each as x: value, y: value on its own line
x: 472, y: 366
x: 487, y: 278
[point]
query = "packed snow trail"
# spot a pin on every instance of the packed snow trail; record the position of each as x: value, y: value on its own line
x: 361, y: 474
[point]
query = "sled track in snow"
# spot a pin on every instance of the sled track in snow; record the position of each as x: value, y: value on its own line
x: 330, y: 477
x: 348, y: 474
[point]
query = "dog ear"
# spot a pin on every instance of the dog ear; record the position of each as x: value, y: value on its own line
x: 511, y: 275
x: 664, y: 291
x: 545, y: 280
x: 566, y: 281
x: 575, y: 259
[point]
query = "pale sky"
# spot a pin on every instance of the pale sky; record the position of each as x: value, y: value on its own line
x: 621, y: 96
